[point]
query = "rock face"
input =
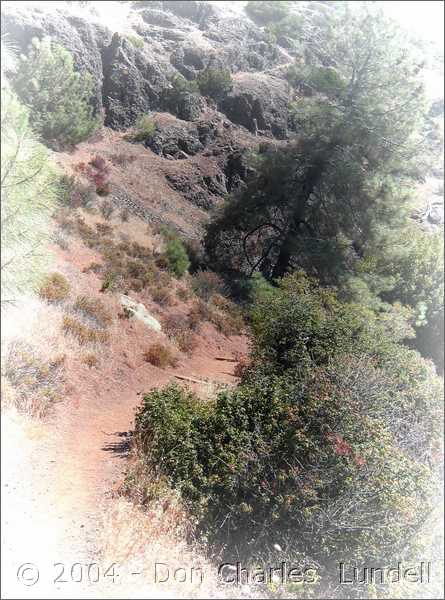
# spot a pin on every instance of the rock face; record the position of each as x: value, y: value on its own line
x: 177, y: 37
x: 133, y: 82
x: 176, y: 142
x: 258, y: 102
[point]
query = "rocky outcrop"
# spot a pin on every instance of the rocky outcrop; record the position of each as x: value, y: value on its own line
x: 201, y: 191
x: 133, y: 82
x: 258, y: 102
x: 176, y: 142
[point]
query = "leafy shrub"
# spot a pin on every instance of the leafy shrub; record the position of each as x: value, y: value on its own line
x: 332, y: 418
x: 207, y: 283
x: 59, y: 98
x: 93, y: 309
x: 176, y: 256
x: 36, y: 384
x: 160, y: 356
x: 144, y: 129
x: 83, y: 333
x: 215, y: 83
x: 54, y: 288
x: 135, y: 40
x: 178, y: 95
x: 267, y: 11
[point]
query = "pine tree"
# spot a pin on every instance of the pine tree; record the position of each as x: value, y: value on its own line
x: 59, y: 98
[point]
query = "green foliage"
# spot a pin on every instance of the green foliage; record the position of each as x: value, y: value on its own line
x: 325, y: 447
x: 144, y: 128
x: 214, y: 83
x: 266, y: 12
x: 59, y: 98
x: 29, y: 189
x: 316, y: 203
x: 135, y: 40
x: 175, y: 253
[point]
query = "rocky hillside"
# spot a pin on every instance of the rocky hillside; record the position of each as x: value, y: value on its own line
x: 201, y: 144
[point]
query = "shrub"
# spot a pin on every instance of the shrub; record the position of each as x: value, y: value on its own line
x: 90, y: 360
x: 215, y: 83
x: 99, y: 172
x: 59, y: 98
x: 161, y: 295
x: 160, y: 356
x: 55, y: 288
x: 207, y: 283
x: 187, y: 341
x: 144, y: 129
x: 106, y: 209
x: 198, y: 313
x: 135, y: 40
x: 83, y: 333
x: 176, y: 256
x: 179, y: 328
x: 267, y: 11
x: 122, y: 160
x: 331, y: 419
x: 75, y: 194
x: 36, y: 384
x: 94, y: 309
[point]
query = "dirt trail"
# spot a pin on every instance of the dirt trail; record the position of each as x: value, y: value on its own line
x: 62, y: 473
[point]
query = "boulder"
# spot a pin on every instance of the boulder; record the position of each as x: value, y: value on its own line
x: 140, y: 312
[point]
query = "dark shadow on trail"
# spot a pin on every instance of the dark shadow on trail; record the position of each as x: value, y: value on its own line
x: 120, y: 447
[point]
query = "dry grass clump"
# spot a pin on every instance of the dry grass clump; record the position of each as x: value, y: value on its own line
x: 241, y: 366
x: 207, y: 283
x: 83, y: 333
x: 54, y: 288
x: 34, y: 384
x: 93, y: 309
x: 90, y: 360
x: 187, y: 341
x: 221, y: 312
x: 160, y: 356
x: 162, y: 295
x: 177, y: 326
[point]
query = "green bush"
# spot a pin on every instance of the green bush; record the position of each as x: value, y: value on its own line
x: 59, y: 98
x: 325, y: 447
x: 215, y: 83
x: 175, y: 254
x: 266, y: 12
x: 144, y: 128
x: 135, y: 40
